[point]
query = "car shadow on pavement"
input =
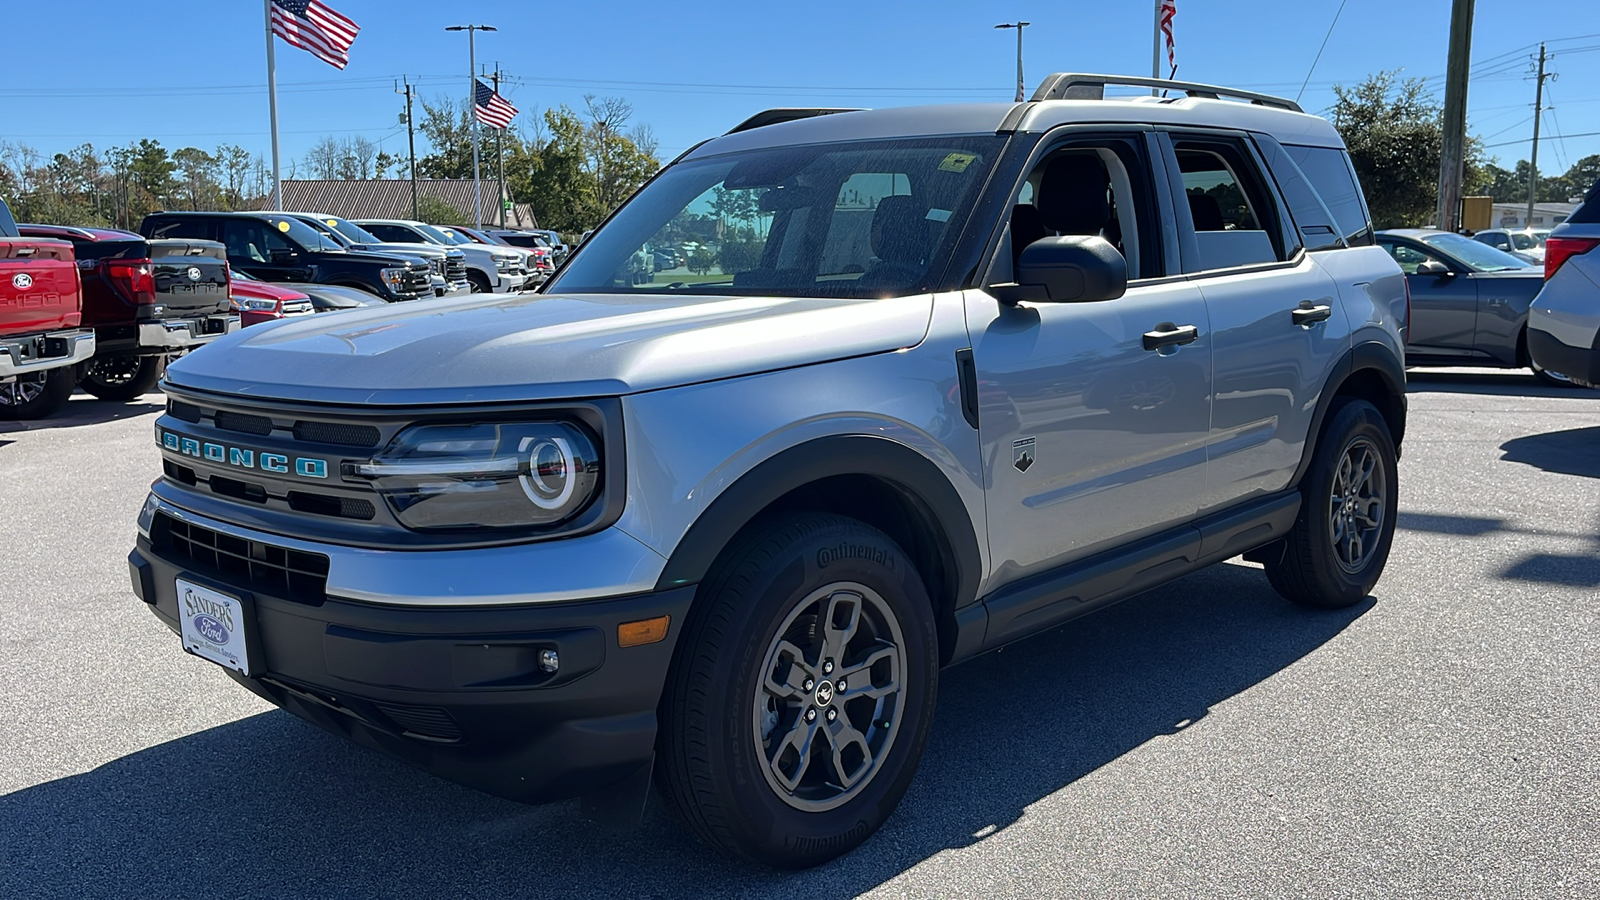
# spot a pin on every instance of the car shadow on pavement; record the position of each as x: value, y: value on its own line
x: 83, y: 409
x: 1507, y: 383
x: 270, y: 806
x: 1575, y: 451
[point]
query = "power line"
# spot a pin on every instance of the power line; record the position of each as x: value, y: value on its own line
x: 1318, y: 58
x: 1547, y: 137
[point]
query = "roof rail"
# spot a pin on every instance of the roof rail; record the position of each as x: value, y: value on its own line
x: 1077, y: 86
x: 784, y: 114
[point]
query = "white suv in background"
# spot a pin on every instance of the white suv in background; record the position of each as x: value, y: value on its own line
x: 490, y: 269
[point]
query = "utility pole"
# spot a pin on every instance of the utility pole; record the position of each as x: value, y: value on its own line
x: 1533, y: 160
x: 1452, y: 156
x: 411, y: 140
x: 1019, y: 25
x: 500, y: 157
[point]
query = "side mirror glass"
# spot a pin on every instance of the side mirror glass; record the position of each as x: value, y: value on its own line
x: 1434, y: 267
x: 1072, y: 269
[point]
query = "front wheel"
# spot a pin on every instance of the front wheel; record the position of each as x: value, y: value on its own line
x: 37, y: 396
x: 123, y: 376
x: 799, y: 705
x: 1338, y: 546
x: 480, y: 282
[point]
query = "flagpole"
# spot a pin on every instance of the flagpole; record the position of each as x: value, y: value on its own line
x: 272, y: 106
x: 472, y: 100
x: 1155, y: 47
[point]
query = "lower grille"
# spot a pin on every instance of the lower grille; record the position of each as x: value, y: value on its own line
x: 423, y: 721
x: 290, y: 574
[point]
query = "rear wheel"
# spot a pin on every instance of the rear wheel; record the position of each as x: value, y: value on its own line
x: 123, y: 376
x: 797, y: 710
x: 1338, y: 546
x: 37, y: 396
x: 1554, y: 379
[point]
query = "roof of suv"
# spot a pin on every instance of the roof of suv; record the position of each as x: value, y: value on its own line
x: 1202, y: 106
x: 73, y: 231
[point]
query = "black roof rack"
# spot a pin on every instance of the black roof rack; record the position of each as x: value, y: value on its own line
x: 784, y: 114
x: 1077, y: 86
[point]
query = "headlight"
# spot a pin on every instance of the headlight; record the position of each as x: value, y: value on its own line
x: 486, y: 476
x: 252, y: 304
x: 394, y: 277
x: 503, y: 263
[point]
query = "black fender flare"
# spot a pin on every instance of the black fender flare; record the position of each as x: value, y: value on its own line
x: 1368, y: 355
x: 812, y: 461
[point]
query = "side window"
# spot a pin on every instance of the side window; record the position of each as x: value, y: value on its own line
x: 1312, y: 218
x: 1234, y: 215
x: 193, y: 229
x: 1330, y: 173
x: 391, y: 233
x: 1407, y: 256
x: 251, y: 239
x: 1096, y: 187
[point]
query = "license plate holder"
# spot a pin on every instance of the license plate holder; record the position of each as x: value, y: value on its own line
x: 217, y: 625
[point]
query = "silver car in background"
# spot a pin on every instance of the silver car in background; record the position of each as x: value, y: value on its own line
x: 1564, y: 323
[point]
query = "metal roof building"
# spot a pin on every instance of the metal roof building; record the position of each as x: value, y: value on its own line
x: 390, y: 198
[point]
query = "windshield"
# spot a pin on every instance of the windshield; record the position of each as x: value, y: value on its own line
x: 1522, y: 240
x: 328, y: 232
x: 445, y: 235
x: 1475, y: 255
x: 304, y: 234
x: 860, y: 219
x: 349, y: 230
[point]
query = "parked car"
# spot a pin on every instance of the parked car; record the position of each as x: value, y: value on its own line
x: 488, y: 268
x: 536, y: 238
x: 1526, y: 245
x: 537, y: 259
x: 1564, y: 323
x: 448, y: 263
x: 43, y: 346
x: 725, y: 534
x: 148, y: 301
x: 276, y: 247
x: 257, y: 302
x: 1469, y: 301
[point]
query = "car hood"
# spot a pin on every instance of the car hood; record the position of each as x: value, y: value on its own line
x: 543, y: 347
x: 397, y: 257
x: 426, y: 251
x: 262, y: 290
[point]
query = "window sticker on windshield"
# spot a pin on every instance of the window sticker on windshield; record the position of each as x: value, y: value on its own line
x: 331, y: 222
x: 957, y: 162
x: 283, y: 226
x: 938, y: 215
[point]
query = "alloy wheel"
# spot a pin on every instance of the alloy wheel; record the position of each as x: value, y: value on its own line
x: 19, y: 392
x: 1355, y: 508
x: 831, y: 696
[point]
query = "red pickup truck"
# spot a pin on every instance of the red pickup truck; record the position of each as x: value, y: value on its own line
x: 42, y: 346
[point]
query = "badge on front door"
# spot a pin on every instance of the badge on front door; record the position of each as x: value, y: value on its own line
x: 1023, y: 454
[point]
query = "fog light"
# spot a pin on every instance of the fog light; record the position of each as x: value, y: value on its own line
x: 549, y: 661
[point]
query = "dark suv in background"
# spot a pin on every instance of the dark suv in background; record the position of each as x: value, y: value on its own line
x: 276, y: 247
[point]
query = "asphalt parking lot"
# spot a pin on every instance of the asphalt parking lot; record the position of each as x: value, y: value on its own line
x: 1205, y: 739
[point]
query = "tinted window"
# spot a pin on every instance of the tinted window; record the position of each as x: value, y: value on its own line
x: 1495, y: 239
x: 352, y: 232
x: 8, y: 226
x: 861, y: 219
x: 1589, y: 212
x: 394, y: 234
x: 1069, y: 175
x: 1234, y: 218
x: 1478, y: 257
x: 1330, y: 173
x: 251, y: 240
x: 1407, y: 256
x: 1312, y: 218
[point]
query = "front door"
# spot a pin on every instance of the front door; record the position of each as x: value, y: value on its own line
x: 1444, y: 307
x: 255, y: 248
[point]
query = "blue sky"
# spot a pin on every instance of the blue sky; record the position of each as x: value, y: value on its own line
x: 192, y: 72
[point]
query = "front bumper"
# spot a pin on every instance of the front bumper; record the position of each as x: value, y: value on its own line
x: 507, y: 282
x: 1581, y: 364
x: 38, y: 353
x: 460, y: 289
x: 457, y: 692
x: 183, y: 334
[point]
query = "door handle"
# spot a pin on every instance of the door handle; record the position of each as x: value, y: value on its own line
x: 1309, y: 313
x: 1167, y: 334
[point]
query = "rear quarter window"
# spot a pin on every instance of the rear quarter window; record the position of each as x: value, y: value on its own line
x: 1330, y: 174
x: 1589, y: 212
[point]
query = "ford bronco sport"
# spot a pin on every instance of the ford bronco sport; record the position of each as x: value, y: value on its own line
x: 959, y: 374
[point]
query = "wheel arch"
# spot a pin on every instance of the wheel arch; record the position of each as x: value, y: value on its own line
x: 876, y: 480
x: 1369, y: 371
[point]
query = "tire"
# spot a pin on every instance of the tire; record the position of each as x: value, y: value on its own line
x: 479, y: 281
x: 762, y: 610
x: 37, y: 396
x: 1554, y: 379
x: 123, y: 376
x: 1333, y: 556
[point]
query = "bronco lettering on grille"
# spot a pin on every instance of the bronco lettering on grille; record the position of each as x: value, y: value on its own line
x: 242, y: 457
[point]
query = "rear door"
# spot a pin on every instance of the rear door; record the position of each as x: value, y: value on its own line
x: 1277, y: 327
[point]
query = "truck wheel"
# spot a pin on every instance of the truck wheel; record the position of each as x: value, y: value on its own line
x: 36, y: 396
x: 479, y: 281
x: 123, y: 376
x: 796, y: 711
x: 1338, y: 546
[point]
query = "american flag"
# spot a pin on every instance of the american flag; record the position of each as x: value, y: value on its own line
x: 1169, y: 8
x: 491, y: 109
x: 313, y: 27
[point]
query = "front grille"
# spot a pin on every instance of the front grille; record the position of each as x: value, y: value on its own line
x: 185, y: 411
x: 422, y: 721
x: 290, y: 574
x: 242, y: 422
x: 455, y: 270
x: 340, y: 433
x: 327, y: 505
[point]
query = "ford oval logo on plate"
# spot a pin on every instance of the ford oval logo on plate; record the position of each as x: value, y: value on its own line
x: 211, y: 629
x: 193, y: 273
x: 22, y: 281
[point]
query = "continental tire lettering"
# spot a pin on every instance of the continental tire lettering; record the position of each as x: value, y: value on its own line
x: 830, y: 555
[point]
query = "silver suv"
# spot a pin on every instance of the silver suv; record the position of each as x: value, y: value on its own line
x: 937, y: 379
x: 1564, y: 321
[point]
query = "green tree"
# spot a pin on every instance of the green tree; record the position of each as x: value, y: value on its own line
x: 1393, y: 131
x: 196, y: 186
x: 437, y: 212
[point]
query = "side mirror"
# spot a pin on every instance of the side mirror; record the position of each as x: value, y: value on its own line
x: 1435, y: 268
x: 1072, y: 269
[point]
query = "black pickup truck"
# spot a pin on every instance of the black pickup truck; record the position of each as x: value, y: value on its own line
x: 148, y: 301
x: 274, y: 247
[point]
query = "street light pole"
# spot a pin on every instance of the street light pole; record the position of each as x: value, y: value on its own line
x: 472, y: 101
x: 1018, y: 26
